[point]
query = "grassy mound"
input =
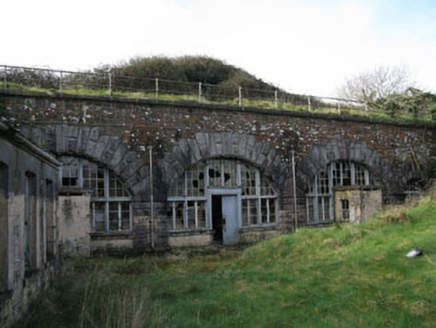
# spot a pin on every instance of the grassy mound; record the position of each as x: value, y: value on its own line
x: 353, y: 276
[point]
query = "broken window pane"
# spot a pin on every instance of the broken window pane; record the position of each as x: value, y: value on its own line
x: 229, y: 178
x: 195, y: 181
x: 272, y: 210
x: 201, y: 214
x: 248, y: 180
x: 346, y: 174
x: 220, y: 173
x: 175, y: 212
x: 70, y: 172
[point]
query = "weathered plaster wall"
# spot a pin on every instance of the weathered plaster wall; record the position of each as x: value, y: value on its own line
x: 74, y: 225
x: 24, y: 279
x: 363, y: 203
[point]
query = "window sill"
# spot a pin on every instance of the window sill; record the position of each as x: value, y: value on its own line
x: 71, y: 191
x: 318, y: 224
x: 259, y: 227
x: 111, y: 235
x: 355, y: 187
x: 204, y: 231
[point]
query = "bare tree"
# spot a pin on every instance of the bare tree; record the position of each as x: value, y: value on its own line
x: 378, y: 83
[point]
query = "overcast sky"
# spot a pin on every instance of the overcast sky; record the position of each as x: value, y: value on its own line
x: 302, y: 46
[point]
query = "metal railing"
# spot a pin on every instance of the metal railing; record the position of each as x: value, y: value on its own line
x: 109, y: 84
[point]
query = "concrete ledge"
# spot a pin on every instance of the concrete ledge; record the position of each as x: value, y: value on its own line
x: 190, y: 238
x: 252, y: 236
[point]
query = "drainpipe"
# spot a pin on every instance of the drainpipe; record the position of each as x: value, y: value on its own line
x: 150, y: 158
x: 294, y: 185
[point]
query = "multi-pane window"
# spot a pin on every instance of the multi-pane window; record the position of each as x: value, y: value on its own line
x: 187, y: 198
x: 319, y: 199
x: 110, y: 199
x: 345, y: 210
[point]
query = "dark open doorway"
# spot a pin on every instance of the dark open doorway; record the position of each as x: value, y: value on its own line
x: 217, y: 217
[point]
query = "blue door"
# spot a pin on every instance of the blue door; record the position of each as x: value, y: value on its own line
x: 230, y: 220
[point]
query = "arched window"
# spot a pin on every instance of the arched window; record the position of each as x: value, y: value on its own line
x: 110, y: 200
x: 414, y: 187
x: 188, y: 201
x: 319, y: 199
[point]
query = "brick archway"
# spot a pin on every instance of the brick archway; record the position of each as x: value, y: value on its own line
x: 227, y: 145
x: 93, y: 144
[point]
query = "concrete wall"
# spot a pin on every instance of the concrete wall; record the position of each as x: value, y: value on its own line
x: 28, y: 245
x: 74, y: 225
x: 363, y: 203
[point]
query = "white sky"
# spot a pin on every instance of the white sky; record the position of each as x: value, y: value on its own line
x: 301, y: 46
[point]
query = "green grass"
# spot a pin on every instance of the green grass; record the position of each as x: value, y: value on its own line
x: 354, y: 276
x: 264, y: 104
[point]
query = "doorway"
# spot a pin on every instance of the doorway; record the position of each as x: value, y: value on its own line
x: 225, y: 215
x: 217, y: 218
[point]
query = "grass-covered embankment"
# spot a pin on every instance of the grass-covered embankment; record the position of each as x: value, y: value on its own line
x: 231, y: 102
x: 354, y: 276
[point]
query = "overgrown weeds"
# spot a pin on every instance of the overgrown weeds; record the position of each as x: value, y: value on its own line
x: 356, y: 276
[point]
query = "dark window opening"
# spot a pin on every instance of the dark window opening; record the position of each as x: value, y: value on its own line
x: 30, y: 222
x: 345, y: 210
x: 50, y: 226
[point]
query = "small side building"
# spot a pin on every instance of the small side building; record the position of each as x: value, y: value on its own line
x: 28, y: 222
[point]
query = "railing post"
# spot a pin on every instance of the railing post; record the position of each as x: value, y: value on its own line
x: 276, y: 99
x: 339, y: 107
x: 60, y: 81
x: 5, y: 79
x: 110, y: 83
x: 240, y: 96
x: 308, y: 104
x: 199, y: 91
x: 157, y: 88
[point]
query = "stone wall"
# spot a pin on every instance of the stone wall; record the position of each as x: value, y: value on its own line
x: 118, y: 132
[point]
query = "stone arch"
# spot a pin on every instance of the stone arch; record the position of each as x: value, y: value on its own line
x: 415, y: 166
x: 91, y: 143
x: 336, y: 150
x: 225, y: 145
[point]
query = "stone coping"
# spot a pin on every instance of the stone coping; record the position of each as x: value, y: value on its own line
x: 195, y: 105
